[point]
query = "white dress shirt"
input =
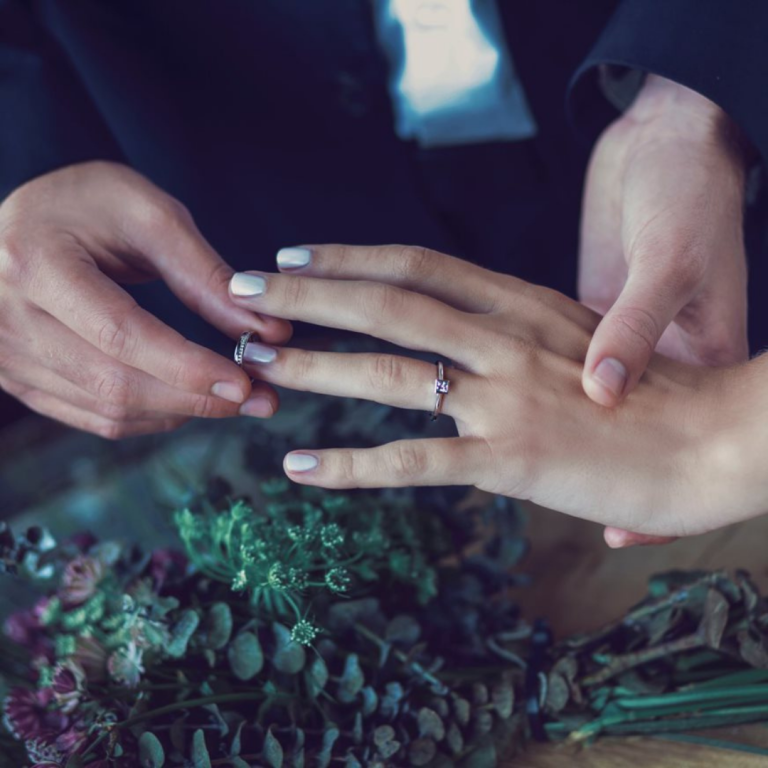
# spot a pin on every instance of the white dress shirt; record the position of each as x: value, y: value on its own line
x: 452, y: 79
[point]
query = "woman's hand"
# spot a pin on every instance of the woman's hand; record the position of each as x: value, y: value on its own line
x: 526, y: 427
x: 75, y: 346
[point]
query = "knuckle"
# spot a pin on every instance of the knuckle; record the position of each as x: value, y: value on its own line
x: 408, y: 460
x: 111, y: 430
x: 347, y: 467
x: 179, y: 369
x: 413, y: 263
x: 386, y: 372
x: 218, y: 278
x: 723, y: 347
x: 115, y: 336
x: 14, y: 264
x: 205, y: 407
x: 638, y: 328
x: 14, y: 388
x: 114, y: 388
x: 161, y: 212
x: 305, y: 365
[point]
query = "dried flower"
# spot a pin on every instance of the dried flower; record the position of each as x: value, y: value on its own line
x: 26, y: 714
x: 125, y: 665
x: 81, y: 579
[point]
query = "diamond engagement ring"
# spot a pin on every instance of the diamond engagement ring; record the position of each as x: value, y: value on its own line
x: 442, y: 385
x: 241, y: 345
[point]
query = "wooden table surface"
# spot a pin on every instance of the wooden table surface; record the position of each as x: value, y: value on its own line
x: 579, y: 584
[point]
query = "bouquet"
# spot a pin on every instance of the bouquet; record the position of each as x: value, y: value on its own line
x: 295, y: 629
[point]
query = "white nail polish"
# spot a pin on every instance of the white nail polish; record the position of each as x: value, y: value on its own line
x: 293, y: 258
x: 258, y: 353
x: 300, y: 462
x: 245, y: 285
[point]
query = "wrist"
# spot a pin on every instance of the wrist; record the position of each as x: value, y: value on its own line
x: 673, y: 110
x: 732, y: 463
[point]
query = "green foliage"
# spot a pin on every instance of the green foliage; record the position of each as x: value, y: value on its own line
x: 297, y: 544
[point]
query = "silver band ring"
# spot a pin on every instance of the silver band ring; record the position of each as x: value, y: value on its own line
x: 442, y: 385
x: 241, y: 345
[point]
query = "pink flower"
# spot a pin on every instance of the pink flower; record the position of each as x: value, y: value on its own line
x: 70, y: 742
x: 80, y: 579
x: 28, y: 717
x: 68, y: 685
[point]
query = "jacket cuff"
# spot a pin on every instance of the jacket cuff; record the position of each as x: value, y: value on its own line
x: 714, y: 47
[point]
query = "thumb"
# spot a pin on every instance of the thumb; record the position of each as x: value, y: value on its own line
x: 626, y: 337
x: 198, y: 275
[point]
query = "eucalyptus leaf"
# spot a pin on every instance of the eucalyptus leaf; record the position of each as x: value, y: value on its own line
x: 236, y: 745
x: 430, y: 724
x: 462, y: 710
x: 323, y: 758
x: 421, y: 751
x: 200, y: 756
x: 357, y: 729
x: 483, y: 723
x: 454, y: 739
x: 503, y: 698
x: 246, y: 658
x: 289, y: 656
x: 390, y: 702
x: 483, y: 756
x: 370, y: 701
x: 351, y: 681
x: 238, y: 762
x: 151, y: 752
x: 181, y: 633
x: 218, y: 626
x: 557, y: 692
x: 316, y: 676
x: 273, y: 750
x: 715, y: 618
x: 383, y: 734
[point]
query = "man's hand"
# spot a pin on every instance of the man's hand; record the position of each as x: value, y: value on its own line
x: 75, y: 346
x: 662, y: 252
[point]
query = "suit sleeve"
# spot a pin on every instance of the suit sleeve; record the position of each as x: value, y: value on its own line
x: 715, y: 47
x: 47, y: 119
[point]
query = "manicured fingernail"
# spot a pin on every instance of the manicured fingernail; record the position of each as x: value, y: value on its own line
x: 258, y: 353
x: 228, y: 390
x: 300, y: 462
x: 612, y: 375
x: 293, y: 258
x: 258, y: 407
x: 243, y: 284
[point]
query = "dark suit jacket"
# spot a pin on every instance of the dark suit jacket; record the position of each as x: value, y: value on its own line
x: 270, y: 119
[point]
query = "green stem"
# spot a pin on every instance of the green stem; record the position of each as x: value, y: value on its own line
x: 226, y: 698
x: 695, y: 697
